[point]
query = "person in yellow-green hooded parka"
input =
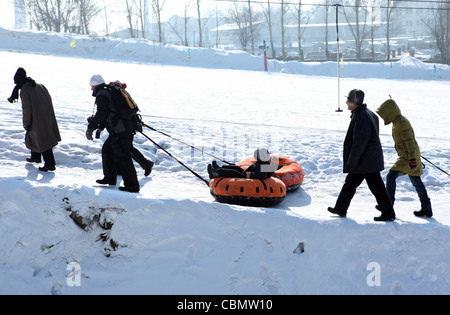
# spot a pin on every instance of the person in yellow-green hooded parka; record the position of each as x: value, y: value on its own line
x: 408, y: 162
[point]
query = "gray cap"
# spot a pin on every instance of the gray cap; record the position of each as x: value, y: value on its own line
x: 355, y: 96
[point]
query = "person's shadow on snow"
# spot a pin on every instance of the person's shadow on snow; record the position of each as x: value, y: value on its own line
x: 35, y: 175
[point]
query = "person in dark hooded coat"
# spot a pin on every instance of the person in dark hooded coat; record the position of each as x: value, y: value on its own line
x: 39, y: 120
x: 363, y: 159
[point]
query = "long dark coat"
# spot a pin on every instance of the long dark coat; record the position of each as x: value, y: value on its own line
x: 363, y: 152
x: 39, y: 115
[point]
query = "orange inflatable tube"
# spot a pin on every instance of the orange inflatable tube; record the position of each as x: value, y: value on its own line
x: 248, y: 191
x: 289, y: 171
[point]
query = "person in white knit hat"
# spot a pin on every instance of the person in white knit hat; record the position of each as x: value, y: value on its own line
x: 95, y: 80
x: 116, y: 150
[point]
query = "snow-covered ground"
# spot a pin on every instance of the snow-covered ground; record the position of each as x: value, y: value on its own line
x: 173, y: 237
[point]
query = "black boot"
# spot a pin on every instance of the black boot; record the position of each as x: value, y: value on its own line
x: 49, y: 161
x: 35, y: 158
x: 210, y: 171
x: 342, y: 214
x: 47, y: 168
x: 105, y: 181
x: 385, y: 217
x: 148, y: 168
x: 213, y: 173
x: 31, y: 160
x: 129, y: 189
x: 423, y: 213
x: 425, y: 209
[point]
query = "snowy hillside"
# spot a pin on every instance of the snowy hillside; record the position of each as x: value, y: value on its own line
x: 172, y: 237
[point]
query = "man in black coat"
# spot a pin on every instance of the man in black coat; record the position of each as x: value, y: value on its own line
x: 363, y: 159
x: 117, y: 149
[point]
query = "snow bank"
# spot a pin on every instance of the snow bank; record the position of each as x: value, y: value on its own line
x: 145, y: 51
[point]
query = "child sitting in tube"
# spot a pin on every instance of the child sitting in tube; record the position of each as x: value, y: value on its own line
x: 262, y: 168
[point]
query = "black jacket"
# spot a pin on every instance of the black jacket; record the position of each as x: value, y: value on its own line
x: 363, y: 152
x: 261, y: 170
x: 107, y: 114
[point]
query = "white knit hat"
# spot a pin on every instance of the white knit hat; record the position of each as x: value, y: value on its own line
x: 96, y: 79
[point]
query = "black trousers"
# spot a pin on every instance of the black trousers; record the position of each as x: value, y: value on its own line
x: 237, y: 172
x: 231, y: 171
x: 49, y: 158
x: 376, y: 186
x: 116, y: 152
x: 140, y: 158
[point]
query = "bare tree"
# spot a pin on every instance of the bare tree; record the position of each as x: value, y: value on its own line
x: 375, y: 20
x: 238, y: 15
x: 182, y: 33
x: 88, y: 11
x: 186, y: 21
x: 252, y: 34
x: 356, y: 16
x: 390, y: 5
x: 47, y: 15
x: 217, y: 27
x: 140, y: 9
x: 199, y: 20
x: 202, y: 21
x: 440, y: 28
x: 284, y: 8
x: 105, y: 12
x: 268, y: 15
x: 299, y: 17
x: 62, y: 15
x: 136, y: 11
x: 157, y: 7
x: 129, y: 8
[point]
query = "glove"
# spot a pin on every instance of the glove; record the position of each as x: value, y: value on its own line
x: 89, y: 119
x: 89, y: 134
x: 412, y: 163
x: 27, y: 128
x: 11, y: 100
x: 139, y: 127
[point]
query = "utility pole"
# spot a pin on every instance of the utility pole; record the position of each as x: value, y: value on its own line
x: 338, y: 55
x: 265, y: 56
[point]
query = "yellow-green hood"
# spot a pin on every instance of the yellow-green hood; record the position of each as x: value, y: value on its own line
x: 388, y: 111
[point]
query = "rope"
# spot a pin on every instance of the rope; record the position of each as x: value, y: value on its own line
x: 435, y: 165
x: 193, y: 172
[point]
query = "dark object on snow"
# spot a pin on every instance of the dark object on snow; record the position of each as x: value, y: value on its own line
x: 300, y: 248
